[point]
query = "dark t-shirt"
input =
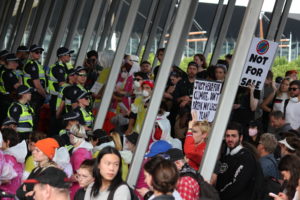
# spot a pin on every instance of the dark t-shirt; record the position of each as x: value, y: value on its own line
x: 244, y: 114
x: 183, y: 88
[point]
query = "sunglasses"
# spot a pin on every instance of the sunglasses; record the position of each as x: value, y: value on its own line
x: 293, y: 89
x: 38, y: 52
x: 82, y: 74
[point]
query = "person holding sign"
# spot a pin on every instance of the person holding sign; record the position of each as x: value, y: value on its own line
x: 195, y: 141
x: 245, y: 104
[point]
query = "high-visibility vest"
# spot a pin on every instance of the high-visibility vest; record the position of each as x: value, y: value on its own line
x: 25, y: 122
x: 52, y: 80
x: 2, y: 88
x: 87, y: 117
x: 60, y: 96
x: 41, y: 71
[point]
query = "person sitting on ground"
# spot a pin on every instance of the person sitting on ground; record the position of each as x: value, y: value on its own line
x: 161, y: 176
x: 51, y: 184
x: 14, y: 155
x: 266, y: 147
x: 43, y: 153
x: 187, y: 185
x: 108, y: 182
x: 195, y: 141
x: 84, y: 177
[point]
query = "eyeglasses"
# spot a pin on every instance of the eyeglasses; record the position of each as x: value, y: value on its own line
x: 293, y: 89
x: 82, y: 74
x: 38, y: 52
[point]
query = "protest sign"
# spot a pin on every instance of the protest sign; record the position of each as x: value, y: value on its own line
x: 205, y: 99
x: 259, y: 60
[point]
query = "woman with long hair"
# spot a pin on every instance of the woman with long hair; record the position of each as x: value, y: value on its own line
x: 108, y: 177
x: 289, y: 166
x: 43, y: 152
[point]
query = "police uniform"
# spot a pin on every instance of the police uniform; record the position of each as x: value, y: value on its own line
x: 82, y: 88
x: 63, y: 134
x: 33, y: 70
x: 86, y: 117
x: 22, y: 114
x: 9, y: 76
x: 3, y: 111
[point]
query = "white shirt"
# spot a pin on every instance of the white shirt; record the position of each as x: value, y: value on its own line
x: 292, y: 114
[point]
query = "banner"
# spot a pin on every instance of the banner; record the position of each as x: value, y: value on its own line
x: 258, y: 63
x: 205, y: 99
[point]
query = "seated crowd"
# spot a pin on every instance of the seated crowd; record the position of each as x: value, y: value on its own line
x: 49, y: 150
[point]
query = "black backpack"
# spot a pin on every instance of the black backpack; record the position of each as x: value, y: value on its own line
x: 207, y: 191
x: 132, y: 194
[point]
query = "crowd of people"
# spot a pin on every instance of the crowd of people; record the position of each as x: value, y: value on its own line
x: 49, y: 149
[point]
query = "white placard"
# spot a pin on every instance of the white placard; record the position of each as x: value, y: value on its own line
x: 258, y: 62
x: 205, y: 99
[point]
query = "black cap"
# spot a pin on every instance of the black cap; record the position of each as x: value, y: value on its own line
x: 175, y: 154
x: 35, y: 47
x: 82, y: 94
x: 22, y: 49
x: 22, y: 89
x: 11, y: 57
x: 8, y: 121
x: 52, y: 176
x: 72, y: 93
x: 133, y: 137
x: 4, y: 53
x: 92, y: 53
x: 62, y: 51
x: 99, y: 133
x: 71, y: 116
x: 71, y: 72
x: 79, y: 68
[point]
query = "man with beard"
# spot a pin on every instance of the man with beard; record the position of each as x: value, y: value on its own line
x: 236, y: 177
x: 292, y: 110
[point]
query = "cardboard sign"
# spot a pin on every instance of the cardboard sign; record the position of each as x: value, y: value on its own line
x: 258, y: 63
x: 205, y: 99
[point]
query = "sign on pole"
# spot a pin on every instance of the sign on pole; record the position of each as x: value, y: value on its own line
x: 205, y: 99
x: 258, y: 63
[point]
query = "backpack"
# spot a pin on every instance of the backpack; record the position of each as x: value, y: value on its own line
x: 132, y: 194
x: 207, y: 191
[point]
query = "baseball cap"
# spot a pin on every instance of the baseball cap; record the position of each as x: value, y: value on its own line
x: 63, y: 51
x: 160, y: 146
x: 35, y: 47
x: 150, y: 83
x: 52, y: 176
x: 175, y: 154
x: 11, y: 57
x: 133, y: 137
x: 23, y: 89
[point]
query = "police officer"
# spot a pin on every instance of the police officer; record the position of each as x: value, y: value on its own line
x: 22, y: 112
x: 86, y: 117
x: 57, y: 77
x: 3, y: 111
x: 11, y: 80
x: 23, y: 54
x: 81, y: 73
x: 69, y: 119
x: 34, y: 76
